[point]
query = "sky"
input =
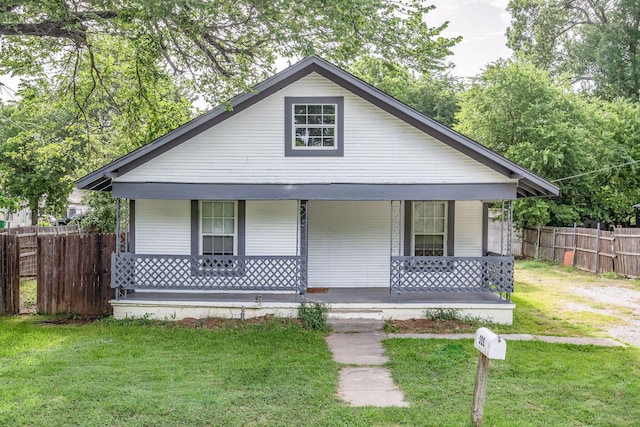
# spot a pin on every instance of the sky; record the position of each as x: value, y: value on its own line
x: 481, y: 23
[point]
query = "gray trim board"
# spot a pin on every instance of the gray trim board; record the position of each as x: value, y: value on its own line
x: 451, y: 227
x: 485, y: 229
x: 535, y: 185
x: 177, y: 191
x: 289, y: 151
x: 408, y: 226
x: 195, y: 227
x: 132, y: 226
x: 241, y: 228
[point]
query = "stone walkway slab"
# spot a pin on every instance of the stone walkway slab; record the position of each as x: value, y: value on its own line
x: 357, y: 349
x: 369, y: 386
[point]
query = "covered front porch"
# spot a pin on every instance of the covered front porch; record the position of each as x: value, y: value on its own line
x: 357, y: 265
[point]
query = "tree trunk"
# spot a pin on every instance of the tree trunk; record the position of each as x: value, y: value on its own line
x: 34, y: 213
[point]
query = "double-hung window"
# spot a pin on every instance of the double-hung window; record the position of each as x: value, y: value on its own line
x: 313, y: 126
x: 218, y: 228
x: 429, y: 228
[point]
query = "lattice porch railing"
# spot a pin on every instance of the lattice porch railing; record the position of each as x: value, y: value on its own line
x: 452, y: 274
x: 229, y: 273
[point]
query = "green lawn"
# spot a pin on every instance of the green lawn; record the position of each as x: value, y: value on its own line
x: 137, y: 373
x: 142, y: 373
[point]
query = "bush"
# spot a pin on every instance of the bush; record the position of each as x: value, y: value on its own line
x: 313, y: 316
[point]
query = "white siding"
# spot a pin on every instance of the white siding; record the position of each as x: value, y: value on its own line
x: 349, y: 244
x: 249, y: 148
x: 271, y: 227
x: 163, y: 227
x: 468, y: 228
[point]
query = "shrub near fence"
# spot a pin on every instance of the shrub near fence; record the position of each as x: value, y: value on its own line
x: 593, y: 250
x: 9, y: 275
x: 74, y: 274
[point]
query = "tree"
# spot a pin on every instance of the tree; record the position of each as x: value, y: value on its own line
x: 433, y: 95
x: 37, y: 153
x: 517, y: 110
x: 50, y: 139
x: 595, y: 42
x: 218, y: 47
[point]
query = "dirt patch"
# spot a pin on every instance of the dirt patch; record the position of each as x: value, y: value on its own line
x: 224, y: 323
x: 623, y: 303
x: 68, y: 320
x: 424, y: 326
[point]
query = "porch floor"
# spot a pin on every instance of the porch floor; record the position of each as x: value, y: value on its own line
x: 332, y: 296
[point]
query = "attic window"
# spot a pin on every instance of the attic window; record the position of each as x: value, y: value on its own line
x: 313, y: 126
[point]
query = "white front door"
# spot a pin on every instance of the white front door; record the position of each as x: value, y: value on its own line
x: 348, y: 244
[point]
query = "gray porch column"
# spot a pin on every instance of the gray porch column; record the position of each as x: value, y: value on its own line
x: 117, y: 226
x: 303, y: 245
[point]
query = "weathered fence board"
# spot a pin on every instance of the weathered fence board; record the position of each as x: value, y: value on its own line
x: 594, y: 250
x: 74, y: 273
x: 29, y: 244
x: 9, y: 275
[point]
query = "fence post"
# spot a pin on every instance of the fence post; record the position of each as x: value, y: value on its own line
x: 597, y: 248
x: 575, y: 244
x: 553, y: 246
x: 538, y: 245
x: 613, y: 250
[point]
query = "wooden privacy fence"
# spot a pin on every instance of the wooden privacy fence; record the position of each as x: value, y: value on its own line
x: 74, y: 273
x: 28, y: 237
x: 588, y: 249
x: 9, y: 275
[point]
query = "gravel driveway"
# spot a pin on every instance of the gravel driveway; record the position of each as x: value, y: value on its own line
x: 620, y: 302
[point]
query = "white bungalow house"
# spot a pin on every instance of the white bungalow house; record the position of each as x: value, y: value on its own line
x: 314, y: 185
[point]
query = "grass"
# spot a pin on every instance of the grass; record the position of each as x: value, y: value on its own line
x: 28, y: 291
x: 275, y: 373
x: 538, y: 383
x: 542, y: 291
x: 136, y: 373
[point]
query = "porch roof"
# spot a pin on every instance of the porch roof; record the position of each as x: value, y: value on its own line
x: 528, y: 183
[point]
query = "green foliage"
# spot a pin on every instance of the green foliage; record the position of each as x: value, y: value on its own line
x: 442, y: 314
x: 38, y: 149
x: 216, y: 48
x: 433, y: 95
x: 102, y: 213
x: 519, y: 111
x: 313, y: 315
x: 595, y: 43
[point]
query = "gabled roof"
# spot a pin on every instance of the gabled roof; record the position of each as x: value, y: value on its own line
x: 529, y: 184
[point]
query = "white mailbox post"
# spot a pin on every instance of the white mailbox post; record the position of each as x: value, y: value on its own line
x: 490, y: 346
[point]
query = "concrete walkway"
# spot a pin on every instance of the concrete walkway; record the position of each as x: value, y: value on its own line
x: 364, y: 382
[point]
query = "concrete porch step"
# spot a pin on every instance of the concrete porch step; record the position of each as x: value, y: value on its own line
x: 343, y: 320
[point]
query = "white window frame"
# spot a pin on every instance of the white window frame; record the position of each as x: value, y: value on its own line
x: 308, y: 126
x: 445, y: 232
x: 235, y: 226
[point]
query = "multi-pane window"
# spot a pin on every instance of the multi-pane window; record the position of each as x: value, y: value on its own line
x: 218, y: 228
x: 314, y: 126
x: 429, y: 228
